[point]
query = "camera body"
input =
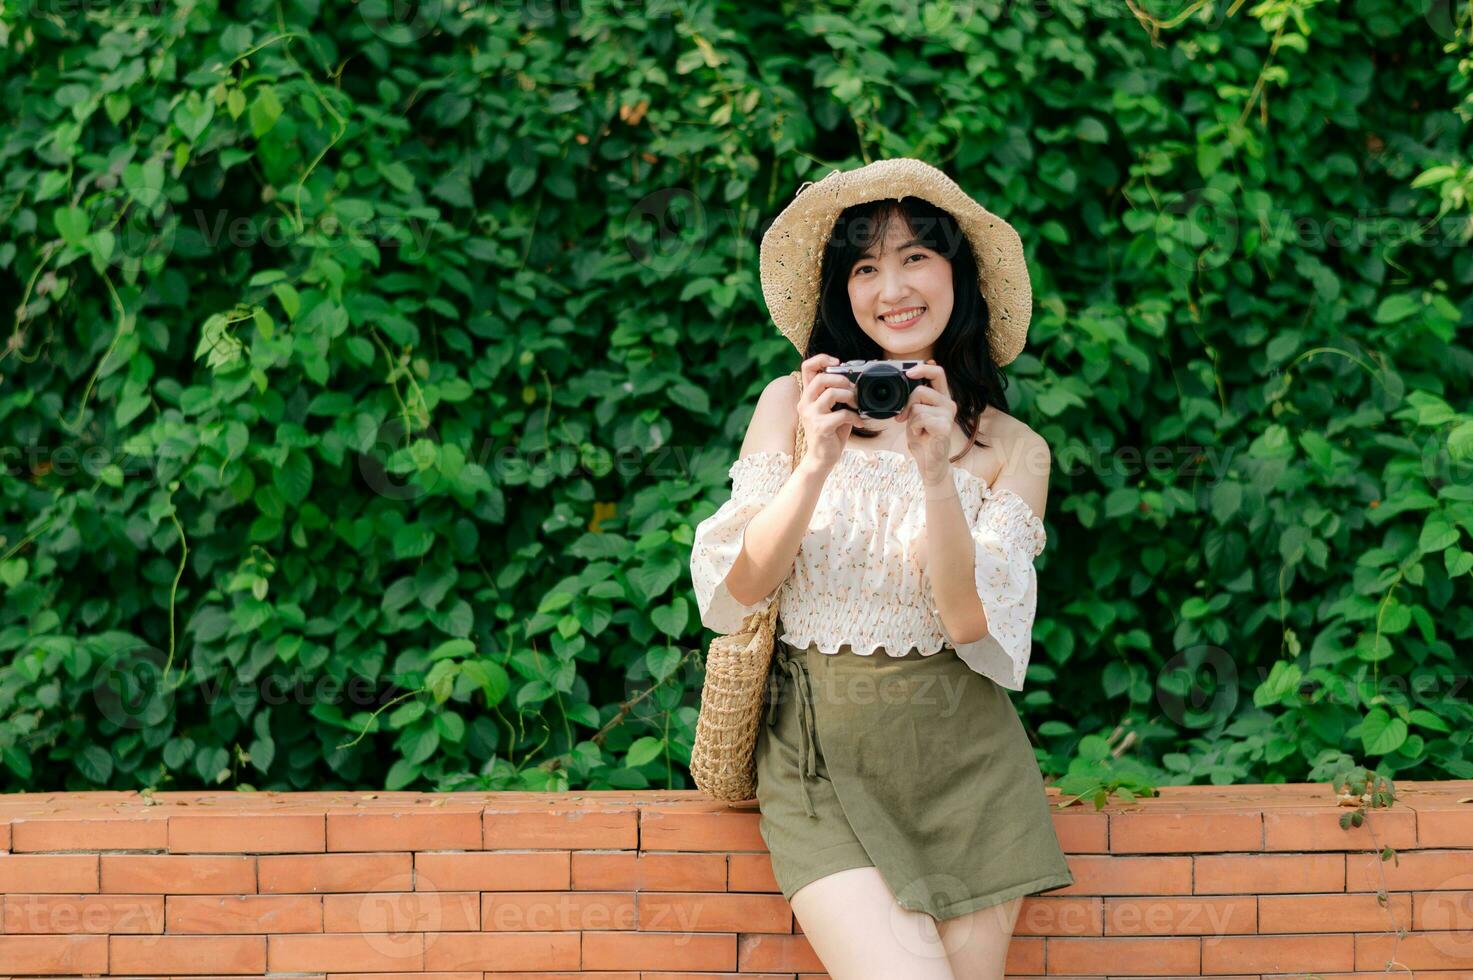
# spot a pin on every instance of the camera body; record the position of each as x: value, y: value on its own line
x: 881, y: 387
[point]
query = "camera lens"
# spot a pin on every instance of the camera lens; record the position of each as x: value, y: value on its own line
x: 881, y: 394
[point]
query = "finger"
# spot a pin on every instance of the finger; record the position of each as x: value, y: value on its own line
x: 822, y: 380
x: 832, y: 395
x: 932, y: 373
x: 843, y: 417
x: 928, y: 396
x: 812, y: 366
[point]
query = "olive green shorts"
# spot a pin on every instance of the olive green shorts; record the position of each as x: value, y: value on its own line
x: 917, y: 766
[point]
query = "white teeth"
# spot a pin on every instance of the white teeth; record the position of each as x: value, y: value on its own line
x: 901, y: 318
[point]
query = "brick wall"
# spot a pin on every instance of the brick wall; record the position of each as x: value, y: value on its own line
x: 1243, y: 881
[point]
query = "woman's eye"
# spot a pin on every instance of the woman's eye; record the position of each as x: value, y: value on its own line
x: 913, y: 255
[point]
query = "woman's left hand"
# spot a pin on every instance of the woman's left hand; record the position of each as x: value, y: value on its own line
x: 929, y: 416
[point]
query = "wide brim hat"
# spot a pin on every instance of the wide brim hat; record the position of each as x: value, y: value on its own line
x: 793, y: 247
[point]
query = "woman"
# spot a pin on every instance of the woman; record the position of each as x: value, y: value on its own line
x: 900, y: 799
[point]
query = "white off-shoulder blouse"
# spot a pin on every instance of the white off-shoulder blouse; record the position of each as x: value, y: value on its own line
x: 858, y: 576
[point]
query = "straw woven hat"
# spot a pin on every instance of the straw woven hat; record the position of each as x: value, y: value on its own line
x: 792, y: 248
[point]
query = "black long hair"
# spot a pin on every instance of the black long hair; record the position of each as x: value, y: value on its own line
x: 964, y: 349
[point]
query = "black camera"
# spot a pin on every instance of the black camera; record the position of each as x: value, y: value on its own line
x: 881, y: 387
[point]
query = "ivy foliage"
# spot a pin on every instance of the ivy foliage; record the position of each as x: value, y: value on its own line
x: 370, y: 365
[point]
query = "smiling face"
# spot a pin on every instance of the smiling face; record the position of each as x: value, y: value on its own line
x: 901, y: 294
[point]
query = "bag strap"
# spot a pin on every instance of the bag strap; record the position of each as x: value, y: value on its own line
x: 799, y: 442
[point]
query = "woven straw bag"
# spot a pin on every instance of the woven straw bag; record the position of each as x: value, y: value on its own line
x: 723, y: 759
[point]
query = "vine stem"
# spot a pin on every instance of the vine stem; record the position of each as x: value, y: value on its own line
x: 15, y: 331
x: 1258, y: 85
x: 118, y: 332
x: 174, y: 587
x: 624, y: 707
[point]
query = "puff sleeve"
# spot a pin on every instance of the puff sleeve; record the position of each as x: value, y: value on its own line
x: 1007, y: 536
x: 755, y: 480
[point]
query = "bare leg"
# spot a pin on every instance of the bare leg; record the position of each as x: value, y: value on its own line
x: 977, y: 943
x: 859, y: 931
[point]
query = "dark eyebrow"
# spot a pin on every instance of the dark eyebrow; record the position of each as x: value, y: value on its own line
x: 900, y: 247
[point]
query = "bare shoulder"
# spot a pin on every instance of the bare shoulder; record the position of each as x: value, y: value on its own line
x: 1018, y: 458
x: 775, y: 419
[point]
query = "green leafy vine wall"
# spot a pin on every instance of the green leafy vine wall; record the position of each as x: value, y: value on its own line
x: 368, y: 366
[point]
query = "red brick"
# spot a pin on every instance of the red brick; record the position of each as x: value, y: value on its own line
x: 51, y: 914
x: 488, y: 871
x: 691, y: 912
x: 615, y: 870
x: 1048, y: 915
x: 394, y: 912
x: 639, y: 951
x: 1260, y: 874
x: 1187, y: 832
x: 1278, y: 954
x: 1442, y: 910
x: 1354, y: 912
x: 750, y: 873
x: 442, y: 830
x: 1170, y: 916
x: 1082, y: 831
x: 1445, y: 825
x: 1108, y: 875
x: 471, y: 975
x: 187, y: 954
x: 670, y: 830
x: 54, y: 954
x: 566, y: 829
x: 336, y: 873
x: 503, y: 951
x: 1146, y: 957
x: 48, y: 873
x: 118, y: 833
x: 178, y: 874
x: 365, y: 952
x: 257, y: 833
x: 244, y: 914
x: 1418, y: 951
x: 1410, y: 871
x: 1318, y: 829
x: 557, y: 911
x: 781, y: 954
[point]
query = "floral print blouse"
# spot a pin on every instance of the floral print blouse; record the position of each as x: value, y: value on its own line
x: 858, y: 576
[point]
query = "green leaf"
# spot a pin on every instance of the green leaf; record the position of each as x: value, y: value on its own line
x: 1460, y: 442
x: 96, y: 765
x: 1394, y: 309
x: 1282, y: 682
x: 72, y: 224
x: 401, y: 774
x: 671, y: 619
x: 294, y: 477
x: 450, y: 649
x: 520, y: 180
x: 265, y: 111
x: 1380, y: 733
x: 1426, y: 719
x: 662, y: 661
x: 644, y: 749
x: 193, y: 115
x: 13, y: 570
x: 1437, y: 533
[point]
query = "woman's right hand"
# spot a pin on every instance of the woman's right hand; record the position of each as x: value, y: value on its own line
x: 825, y: 430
